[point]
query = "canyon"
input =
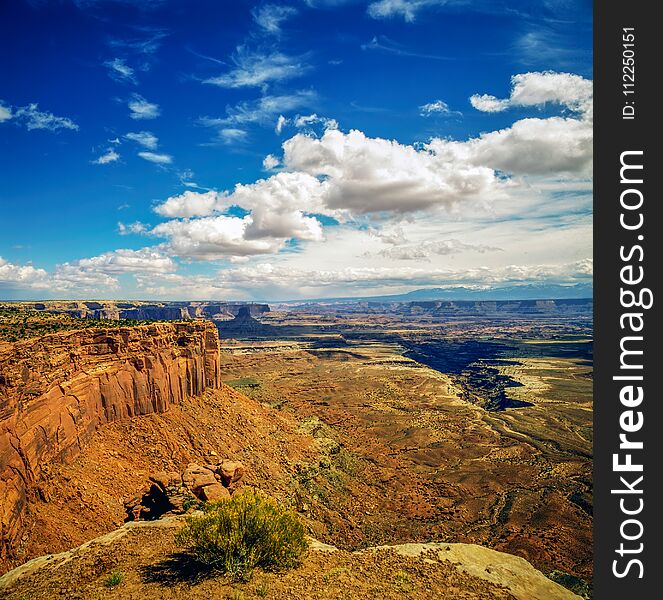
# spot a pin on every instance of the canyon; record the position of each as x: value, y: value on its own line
x: 378, y: 425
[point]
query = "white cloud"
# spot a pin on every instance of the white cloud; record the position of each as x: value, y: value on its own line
x: 270, y: 162
x: 212, y: 238
x: 32, y: 118
x: 190, y: 204
x: 537, y: 88
x: 439, y: 106
x: 132, y: 228
x: 529, y: 147
x: 488, y: 103
x: 117, y: 262
x: 257, y: 69
x: 231, y: 135
x: 87, y: 275
x: 5, y: 112
x: 302, y: 121
x: 142, y: 109
x: 160, y: 159
x: 280, y: 124
x: 144, y: 138
x: 424, y: 251
x: 407, y: 9
x: 286, y: 282
x: 262, y: 111
x: 109, y: 157
x: 23, y: 276
x: 372, y: 175
x: 270, y: 16
x: 278, y: 206
x: 119, y: 70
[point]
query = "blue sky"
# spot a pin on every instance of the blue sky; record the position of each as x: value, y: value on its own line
x: 273, y: 150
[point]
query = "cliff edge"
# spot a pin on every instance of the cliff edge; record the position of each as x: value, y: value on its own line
x: 57, y: 390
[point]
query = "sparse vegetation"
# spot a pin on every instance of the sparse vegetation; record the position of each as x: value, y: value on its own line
x: 114, y: 579
x: 19, y: 323
x: 250, y: 530
x: 571, y: 582
x: 243, y: 382
x: 262, y: 589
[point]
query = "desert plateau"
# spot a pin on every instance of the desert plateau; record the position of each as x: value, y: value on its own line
x: 383, y: 425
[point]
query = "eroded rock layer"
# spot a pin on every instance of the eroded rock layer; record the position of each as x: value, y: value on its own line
x: 57, y: 390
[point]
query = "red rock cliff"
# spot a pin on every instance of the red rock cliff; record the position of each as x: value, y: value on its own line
x: 55, y: 391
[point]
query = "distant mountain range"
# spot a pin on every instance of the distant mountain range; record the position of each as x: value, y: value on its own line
x: 515, y: 292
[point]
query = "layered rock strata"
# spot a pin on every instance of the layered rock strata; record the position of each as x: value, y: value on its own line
x: 56, y: 391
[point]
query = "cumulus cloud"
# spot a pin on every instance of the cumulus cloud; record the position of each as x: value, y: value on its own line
x: 190, y: 204
x: 270, y: 16
x: 212, y: 238
x: 108, y: 157
x: 159, y: 159
x: 258, y: 69
x: 488, y: 103
x: 119, y: 70
x: 538, y: 88
x: 117, y: 262
x: 22, y: 275
x: 142, y: 109
x: 32, y: 118
x: 365, y: 175
x: 270, y: 162
x: 529, y: 147
x: 279, y: 210
x: 144, y: 138
x: 88, y: 275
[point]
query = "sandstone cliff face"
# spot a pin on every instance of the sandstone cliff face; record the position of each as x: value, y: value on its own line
x: 57, y: 390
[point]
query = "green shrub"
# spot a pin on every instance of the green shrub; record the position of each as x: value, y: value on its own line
x: 115, y: 578
x: 249, y: 530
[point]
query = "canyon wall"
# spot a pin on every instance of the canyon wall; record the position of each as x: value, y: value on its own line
x: 160, y: 311
x: 55, y: 391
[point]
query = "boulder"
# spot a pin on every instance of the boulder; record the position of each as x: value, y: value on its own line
x: 166, y: 479
x: 230, y: 471
x: 214, y: 491
x: 196, y: 477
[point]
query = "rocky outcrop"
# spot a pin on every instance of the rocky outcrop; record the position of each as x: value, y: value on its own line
x: 172, y: 493
x: 512, y: 575
x: 55, y: 391
x: 519, y: 577
x: 144, y: 311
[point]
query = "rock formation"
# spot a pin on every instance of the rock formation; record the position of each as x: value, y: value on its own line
x: 172, y: 493
x: 55, y: 391
x: 161, y: 311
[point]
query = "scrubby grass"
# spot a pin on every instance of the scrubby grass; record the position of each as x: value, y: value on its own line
x: 247, y: 531
x: 114, y: 579
x: 571, y: 582
x: 19, y: 324
x: 243, y: 382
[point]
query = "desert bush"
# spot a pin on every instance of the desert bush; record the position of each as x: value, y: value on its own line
x: 115, y: 578
x: 248, y: 530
